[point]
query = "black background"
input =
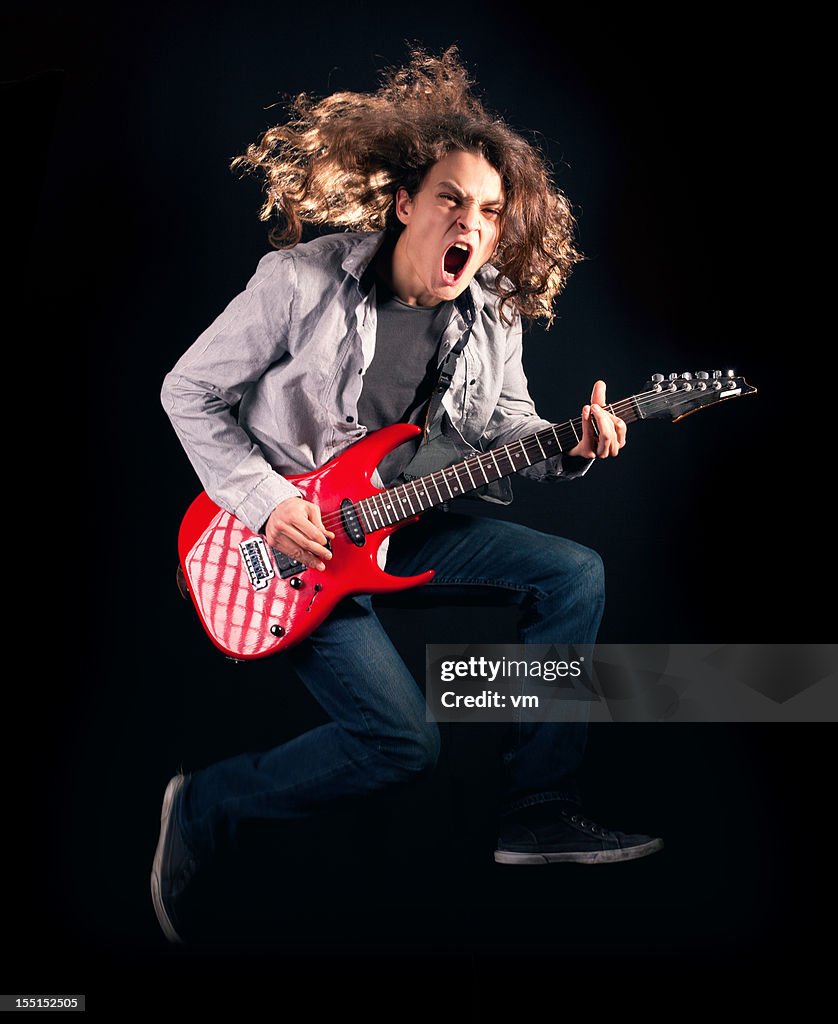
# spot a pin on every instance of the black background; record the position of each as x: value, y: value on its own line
x: 681, y: 148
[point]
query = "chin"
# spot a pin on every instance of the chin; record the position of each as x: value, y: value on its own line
x: 447, y: 292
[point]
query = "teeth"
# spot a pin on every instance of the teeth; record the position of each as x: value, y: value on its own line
x: 457, y: 245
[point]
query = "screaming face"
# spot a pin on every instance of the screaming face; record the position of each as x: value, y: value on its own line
x: 451, y: 228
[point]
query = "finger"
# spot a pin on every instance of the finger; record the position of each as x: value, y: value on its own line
x: 296, y: 544
x: 620, y: 428
x: 587, y: 441
x: 316, y: 518
x: 314, y: 534
x: 605, y: 431
x: 598, y: 393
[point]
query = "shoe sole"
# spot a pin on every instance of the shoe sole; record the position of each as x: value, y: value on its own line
x: 163, y: 918
x: 595, y: 857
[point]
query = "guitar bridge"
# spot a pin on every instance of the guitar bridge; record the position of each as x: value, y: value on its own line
x: 257, y: 562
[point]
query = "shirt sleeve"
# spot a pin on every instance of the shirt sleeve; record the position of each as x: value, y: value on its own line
x: 515, y: 417
x: 201, y: 392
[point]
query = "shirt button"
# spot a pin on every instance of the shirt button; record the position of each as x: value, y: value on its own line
x: 350, y: 419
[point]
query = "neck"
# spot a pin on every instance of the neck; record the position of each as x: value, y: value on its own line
x: 397, y: 272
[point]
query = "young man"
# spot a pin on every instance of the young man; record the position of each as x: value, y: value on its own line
x: 456, y: 233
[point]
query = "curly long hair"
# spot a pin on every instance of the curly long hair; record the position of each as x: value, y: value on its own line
x: 340, y: 161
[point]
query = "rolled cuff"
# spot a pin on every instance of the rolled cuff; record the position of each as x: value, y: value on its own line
x: 572, y: 466
x: 256, y: 506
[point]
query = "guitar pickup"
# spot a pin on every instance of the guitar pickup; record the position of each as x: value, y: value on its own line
x: 286, y: 565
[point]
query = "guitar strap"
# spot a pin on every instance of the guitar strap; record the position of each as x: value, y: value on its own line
x: 441, y: 443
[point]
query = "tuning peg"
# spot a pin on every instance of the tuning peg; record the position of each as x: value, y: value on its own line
x: 673, y: 376
x: 703, y: 375
x: 657, y: 378
x: 716, y: 374
x: 686, y: 376
x: 729, y: 373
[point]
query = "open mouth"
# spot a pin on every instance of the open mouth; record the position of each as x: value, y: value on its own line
x: 454, y: 261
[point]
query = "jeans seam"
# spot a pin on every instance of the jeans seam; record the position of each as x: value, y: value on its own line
x: 361, y: 711
x: 480, y: 582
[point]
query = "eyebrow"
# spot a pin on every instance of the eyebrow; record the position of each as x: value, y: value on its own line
x: 456, y: 188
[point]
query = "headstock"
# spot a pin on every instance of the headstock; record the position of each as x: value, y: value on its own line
x: 680, y: 394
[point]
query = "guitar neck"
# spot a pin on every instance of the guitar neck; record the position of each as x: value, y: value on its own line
x: 404, y: 501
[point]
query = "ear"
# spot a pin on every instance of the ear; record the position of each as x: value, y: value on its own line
x: 404, y: 205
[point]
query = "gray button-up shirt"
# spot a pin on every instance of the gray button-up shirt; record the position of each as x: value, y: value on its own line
x: 271, y: 387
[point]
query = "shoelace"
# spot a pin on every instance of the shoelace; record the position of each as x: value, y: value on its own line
x: 578, y: 819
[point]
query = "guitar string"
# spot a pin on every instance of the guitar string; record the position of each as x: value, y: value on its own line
x: 642, y: 399
x: 625, y: 405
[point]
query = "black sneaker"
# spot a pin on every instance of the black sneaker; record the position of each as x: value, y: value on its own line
x: 554, y: 832
x: 174, y: 865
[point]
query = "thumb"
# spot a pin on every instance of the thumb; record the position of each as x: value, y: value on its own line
x: 598, y: 393
x: 315, y: 517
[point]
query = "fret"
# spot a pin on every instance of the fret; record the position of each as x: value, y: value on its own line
x: 436, y: 488
x: 397, y: 491
x: 418, y: 495
x: 387, y: 503
x: 374, y: 512
x: 508, y: 458
x: 382, y: 509
x: 391, y: 505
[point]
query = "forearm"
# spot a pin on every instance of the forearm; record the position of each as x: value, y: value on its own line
x: 515, y: 417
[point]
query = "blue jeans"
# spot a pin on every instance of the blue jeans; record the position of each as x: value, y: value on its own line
x: 378, y: 736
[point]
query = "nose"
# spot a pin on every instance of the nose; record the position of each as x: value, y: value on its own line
x: 469, y: 217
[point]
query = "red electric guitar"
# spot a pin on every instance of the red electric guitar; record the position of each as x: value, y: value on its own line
x: 254, y: 601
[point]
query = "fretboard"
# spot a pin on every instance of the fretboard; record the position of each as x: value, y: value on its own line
x: 406, y: 500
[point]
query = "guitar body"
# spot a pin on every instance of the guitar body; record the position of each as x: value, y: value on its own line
x: 235, y: 581
x: 254, y: 601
